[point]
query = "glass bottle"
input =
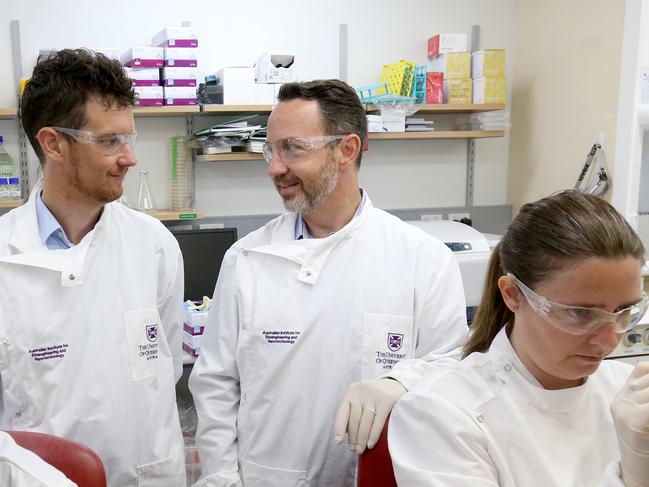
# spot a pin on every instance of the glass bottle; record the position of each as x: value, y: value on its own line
x: 7, y: 168
x: 145, y: 201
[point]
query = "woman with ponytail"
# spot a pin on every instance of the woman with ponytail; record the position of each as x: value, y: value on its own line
x: 533, y: 402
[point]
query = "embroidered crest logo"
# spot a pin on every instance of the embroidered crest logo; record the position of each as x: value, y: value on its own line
x: 152, y: 333
x: 395, y: 340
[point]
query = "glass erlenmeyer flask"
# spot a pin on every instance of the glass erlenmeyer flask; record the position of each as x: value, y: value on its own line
x: 145, y: 201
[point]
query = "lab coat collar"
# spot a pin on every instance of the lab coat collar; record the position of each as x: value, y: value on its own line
x: 310, y: 254
x: 30, y: 250
x: 507, y: 361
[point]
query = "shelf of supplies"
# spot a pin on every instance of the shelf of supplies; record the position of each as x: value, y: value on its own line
x: 449, y: 108
x: 166, y: 111
x: 8, y: 113
x: 167, y: 215
x: 447, y: 134
x: 236, y: 109
x: 230, y: 156
x: 10, y: 203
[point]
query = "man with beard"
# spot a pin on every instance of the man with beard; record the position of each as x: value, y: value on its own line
x: 91, y: 291
x: 332, y: 292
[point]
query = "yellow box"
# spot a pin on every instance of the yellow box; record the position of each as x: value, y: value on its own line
x: 454, y: 65
x: 489, y: 89
x: 458, y: 91
x: 488, y: 62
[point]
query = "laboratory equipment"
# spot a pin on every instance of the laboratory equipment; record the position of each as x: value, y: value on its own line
x: 7, y: 168
x: 145, y: 201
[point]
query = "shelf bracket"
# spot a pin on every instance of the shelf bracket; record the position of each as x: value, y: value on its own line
x: 23, y: 143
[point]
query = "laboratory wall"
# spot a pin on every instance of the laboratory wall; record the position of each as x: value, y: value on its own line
x: 565, y: 92
x: 398, y: 174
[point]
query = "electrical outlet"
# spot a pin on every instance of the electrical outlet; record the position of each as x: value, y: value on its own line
x: 431, y: 217
x: 458, y: 216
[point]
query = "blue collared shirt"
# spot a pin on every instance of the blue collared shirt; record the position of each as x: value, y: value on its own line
x: 49, y: 229
x: 301, y: 230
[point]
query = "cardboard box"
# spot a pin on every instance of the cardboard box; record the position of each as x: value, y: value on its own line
x: 393, y: 119
x: 143, y: 57
x: 435, y: 87
x: 458, y: 91
x: 179, y: 95
x: 489, y: 89
x: 149, y: 96
x: 275, y: 67
x: 441, y: 43
x: 192, y: 344
x: 176, y: 37
x: 180, y: 57
x: 488, y: 62
x: 109, y: 52
x: 195, y: 322
x: 454, y: 65
x: 144, y: 76
x: 238, y: 85
x: 179, y: 76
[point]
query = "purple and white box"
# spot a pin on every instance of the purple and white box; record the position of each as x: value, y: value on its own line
x: 179, y: 95
x: 179, y: 76
x: 176, y: 37
x: 143, y: 57
x: 144, y: 76
x: 109, y: 52
x: 147, y: 96
x: 180, y: 57
x: 195, y: 321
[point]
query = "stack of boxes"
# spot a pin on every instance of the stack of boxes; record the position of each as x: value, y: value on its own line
x: 450, y: 67
x: 165, y: 74
x: 193, y: 329
x: 463, y: 77
x: 488, y: 68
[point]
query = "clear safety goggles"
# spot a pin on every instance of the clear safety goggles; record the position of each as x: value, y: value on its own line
x: 108, y: 143
x: 578, y: 320
x: 296, y: 149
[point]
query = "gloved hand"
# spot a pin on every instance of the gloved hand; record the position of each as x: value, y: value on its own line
x: 630, y: 410
x: 364, y: 410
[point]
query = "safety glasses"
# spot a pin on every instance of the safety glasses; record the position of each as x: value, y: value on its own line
x: 578, y: 320
x: 108, y: 143
x: 296, y: 149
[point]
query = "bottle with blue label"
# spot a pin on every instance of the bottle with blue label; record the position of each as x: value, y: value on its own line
x: 14, y: 188
x: 7, y: 168
x: 4, y: 189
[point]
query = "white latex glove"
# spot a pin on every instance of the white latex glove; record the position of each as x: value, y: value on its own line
x: 364, y: 410
x: 630, y: 410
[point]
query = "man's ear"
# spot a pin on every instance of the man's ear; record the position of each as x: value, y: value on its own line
x: 350, y: 147
x: 52, y: 145
x: 511, y: 294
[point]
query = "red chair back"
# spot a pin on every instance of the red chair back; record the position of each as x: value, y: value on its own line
x: 375, y: 465
x: 78, y: 462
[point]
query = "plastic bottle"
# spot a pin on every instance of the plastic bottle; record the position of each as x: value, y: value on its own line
x: 4, y: 189
x: 7, y: 168
x: 14, y: 188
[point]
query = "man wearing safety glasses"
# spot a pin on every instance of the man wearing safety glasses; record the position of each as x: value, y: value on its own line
x: 333, y: 292
x: 91, y: 291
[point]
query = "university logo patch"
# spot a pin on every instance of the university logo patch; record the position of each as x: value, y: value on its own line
x: 395, y: 340
x: 152, y: 332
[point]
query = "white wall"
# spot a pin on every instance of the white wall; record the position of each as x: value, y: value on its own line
x: 398, y: 174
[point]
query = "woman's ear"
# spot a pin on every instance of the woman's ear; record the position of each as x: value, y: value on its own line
x: 512, y: 296
x: 51, y: 144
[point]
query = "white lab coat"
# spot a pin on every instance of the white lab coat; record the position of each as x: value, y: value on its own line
x: 22, y: 468
x: 486, y: 421
x: 294, y: 323
x: 90, y: 344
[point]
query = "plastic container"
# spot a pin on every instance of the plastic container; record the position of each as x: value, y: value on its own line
x: 4, y: 189
x: 7, y: 167
x: 182, y: 175
x: 13, y: 186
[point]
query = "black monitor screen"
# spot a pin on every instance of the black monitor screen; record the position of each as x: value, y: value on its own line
x: 203, y: 252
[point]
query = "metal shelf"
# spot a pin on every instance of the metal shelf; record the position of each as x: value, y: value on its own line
x: 230, y: 156
x: 8, y: 113
x: 10, y: 203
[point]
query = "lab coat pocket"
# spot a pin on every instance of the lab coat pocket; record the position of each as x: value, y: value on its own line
x: 143, y: 331
x: 255, y: 475
x: 387, y: 339
x: 166, y: 473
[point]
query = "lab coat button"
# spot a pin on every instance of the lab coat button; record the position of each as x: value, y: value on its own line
x: 19, y: 414
x: 508, y: 367
x: 5, y: 341
x: 308, y: 273
x: 480, y: 418
x: 71, y: 277
x: 245, y: 253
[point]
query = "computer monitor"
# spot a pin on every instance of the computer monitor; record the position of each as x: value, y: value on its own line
x: 203, y: 251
